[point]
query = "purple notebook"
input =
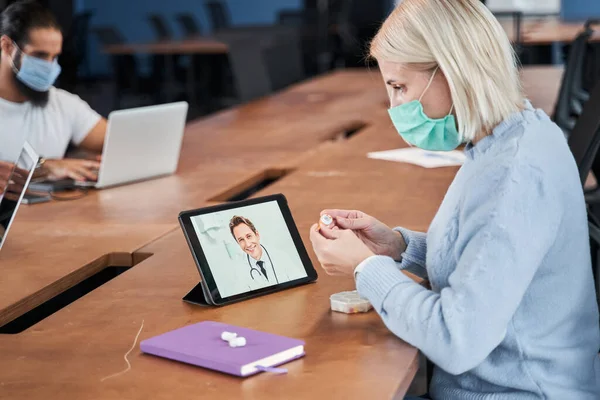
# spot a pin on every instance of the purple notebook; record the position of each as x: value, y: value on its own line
x: 201, y: 344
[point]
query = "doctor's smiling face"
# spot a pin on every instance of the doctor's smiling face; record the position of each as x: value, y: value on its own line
x: 246, y: 236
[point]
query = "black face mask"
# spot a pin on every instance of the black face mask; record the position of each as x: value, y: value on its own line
x: 38, y: 99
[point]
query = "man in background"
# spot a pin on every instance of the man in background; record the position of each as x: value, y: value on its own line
x: 31, y: 108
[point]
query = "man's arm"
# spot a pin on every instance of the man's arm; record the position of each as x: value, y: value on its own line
x: 94, y: 141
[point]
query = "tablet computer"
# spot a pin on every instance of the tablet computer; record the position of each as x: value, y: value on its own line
x: 14, y: 181
x: 246, y: 249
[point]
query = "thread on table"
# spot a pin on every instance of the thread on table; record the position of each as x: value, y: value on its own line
x: 125, y: 357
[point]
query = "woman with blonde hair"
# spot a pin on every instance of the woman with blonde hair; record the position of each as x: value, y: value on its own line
x: 512, y: 312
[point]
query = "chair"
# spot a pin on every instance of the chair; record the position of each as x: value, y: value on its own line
x: 594, y: 229
x: 107, y: 35
x: 283, y: 59
x: 345, y: 39
x: 160, y: 26
x: 125, y: 68
x: 352, y: 26
x: 591, y: 69
x: 584, y: 143
x: 219, y: 15
x: 584, y: 140
x: 263, y: 61
x: 189, y: 25
x: 566, y: 110
x: 166, y: 68
x: 80, y: 32
x: 75, y: 52
x: 249, y: 70
x: 579, y: 94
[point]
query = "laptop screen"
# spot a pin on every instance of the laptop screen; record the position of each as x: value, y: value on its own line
x: 14, y: 178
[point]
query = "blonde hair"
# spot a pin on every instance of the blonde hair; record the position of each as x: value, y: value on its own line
x: 471, y: 48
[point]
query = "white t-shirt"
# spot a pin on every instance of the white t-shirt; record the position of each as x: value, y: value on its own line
x: 66, y: 118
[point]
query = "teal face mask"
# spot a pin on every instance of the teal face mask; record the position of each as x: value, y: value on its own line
x: 419, y: 130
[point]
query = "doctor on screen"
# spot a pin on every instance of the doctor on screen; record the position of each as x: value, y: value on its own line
x: 261, y: 268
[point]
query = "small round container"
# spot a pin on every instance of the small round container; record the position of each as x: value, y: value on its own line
x: 325, y: 220
x: 349, y: 303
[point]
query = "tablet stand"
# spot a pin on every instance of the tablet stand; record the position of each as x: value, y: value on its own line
x: 197, y: 296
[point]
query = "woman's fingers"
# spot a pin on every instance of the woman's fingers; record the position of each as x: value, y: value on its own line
x: 344, y: 213
x: 330, y: 233
x: 355, y: 224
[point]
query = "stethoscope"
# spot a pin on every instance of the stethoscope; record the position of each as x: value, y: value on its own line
x: 253, y: 269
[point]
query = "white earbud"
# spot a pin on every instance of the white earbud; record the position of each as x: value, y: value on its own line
x: 237, y: 342
x: 228, y: 336
x: 233, y: 339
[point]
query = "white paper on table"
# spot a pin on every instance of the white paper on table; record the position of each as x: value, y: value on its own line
x: 422, y: 158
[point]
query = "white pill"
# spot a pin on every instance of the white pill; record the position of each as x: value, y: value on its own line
x: 237, y: 342
x: 227, y: 336
x: 326, y: 219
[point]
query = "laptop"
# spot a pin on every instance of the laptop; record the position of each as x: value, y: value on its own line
x: 141, y: 143
x: 19, y: 176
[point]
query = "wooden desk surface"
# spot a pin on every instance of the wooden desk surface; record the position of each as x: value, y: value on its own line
x: 67, y: 354
x: 218, y: 153
x: 546, y: 30
x: 189, y: 46
x: 382, y: 364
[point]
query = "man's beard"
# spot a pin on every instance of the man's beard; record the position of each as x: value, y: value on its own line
x: 38, y: 99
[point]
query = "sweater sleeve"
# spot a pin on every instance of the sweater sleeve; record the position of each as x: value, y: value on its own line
x: 508, y: 220
x: 413, y: 258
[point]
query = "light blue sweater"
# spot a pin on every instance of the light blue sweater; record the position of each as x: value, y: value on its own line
x: 512, y: 313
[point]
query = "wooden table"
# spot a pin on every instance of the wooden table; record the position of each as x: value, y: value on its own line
x: 217, y: 155
x: 548, y: 30
x: 189, y: 46
x: 552, y: 30
x: 67, y: 354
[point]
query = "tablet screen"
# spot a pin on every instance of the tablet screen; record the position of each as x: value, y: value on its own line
x: 248, y: 248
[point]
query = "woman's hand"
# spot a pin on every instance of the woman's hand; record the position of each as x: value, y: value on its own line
x: 377, y: 236
x: 80, y: 170
x: 341, y: 252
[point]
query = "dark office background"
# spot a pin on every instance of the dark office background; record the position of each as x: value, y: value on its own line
x: 334, y: 34
x: 131, y: 17
x: 87, y: 68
